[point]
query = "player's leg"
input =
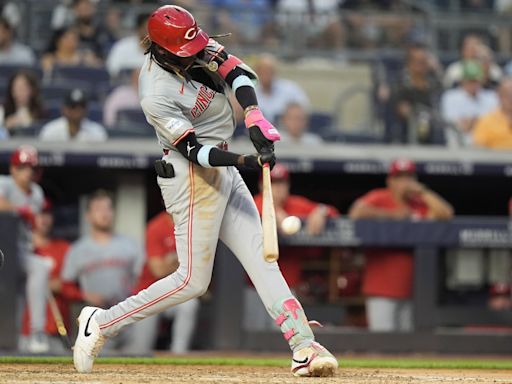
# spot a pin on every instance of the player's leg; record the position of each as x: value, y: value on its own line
x: 185, y: 318
x: 196, y: 199
x: 242, y: 233
x: 38, y: 272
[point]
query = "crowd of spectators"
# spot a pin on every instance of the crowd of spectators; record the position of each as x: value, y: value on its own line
x: 422, y: 101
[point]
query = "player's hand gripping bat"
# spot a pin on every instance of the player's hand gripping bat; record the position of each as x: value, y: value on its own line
x: 268, y: 219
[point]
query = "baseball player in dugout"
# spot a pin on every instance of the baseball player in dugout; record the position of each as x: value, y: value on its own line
x: 183, y: 88
x: 20, y: 194
x: 388, y: 274
x: 55, y: 249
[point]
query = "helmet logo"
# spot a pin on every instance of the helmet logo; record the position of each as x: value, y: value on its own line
x: 191, y: 33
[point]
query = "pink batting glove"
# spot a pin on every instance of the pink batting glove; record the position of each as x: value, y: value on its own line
x: 255, y: 117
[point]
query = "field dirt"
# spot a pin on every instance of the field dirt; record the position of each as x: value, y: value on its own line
x: 142, y: 374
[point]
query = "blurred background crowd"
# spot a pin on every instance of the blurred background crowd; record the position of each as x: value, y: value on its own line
x: 392, y: 72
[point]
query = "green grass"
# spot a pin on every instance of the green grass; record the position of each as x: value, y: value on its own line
x: 406, y: 363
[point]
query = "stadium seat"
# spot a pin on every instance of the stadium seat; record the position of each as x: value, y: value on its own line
x: 55, y: 92
x: 7, y: 70
x: 320, y: 123
x: 131, y: 116
x: 81, y: 73
x: 30, y: 131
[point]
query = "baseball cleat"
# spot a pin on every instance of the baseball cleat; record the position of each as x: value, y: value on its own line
x: 89, y: 340
x: 314, y: 361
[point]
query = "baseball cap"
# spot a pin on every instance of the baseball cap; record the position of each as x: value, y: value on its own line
x: 25, y: 155
x: 401, y: 166
x: 472, y: 70
x: 280, y: 173
x: 75, y: 97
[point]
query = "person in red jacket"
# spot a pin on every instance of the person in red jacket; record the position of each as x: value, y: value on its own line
x: 161, y: 260
x: 314, y: 216
x: 388, y: 274
x: 55, y: 249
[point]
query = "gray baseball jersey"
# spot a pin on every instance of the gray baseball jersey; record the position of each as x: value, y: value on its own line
x: 175, y: 107
x: 207, y: 204
x: 12, y: 193
x: 109, y: 269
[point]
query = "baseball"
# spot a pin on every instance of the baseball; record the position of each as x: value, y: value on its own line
x: 291, y: 225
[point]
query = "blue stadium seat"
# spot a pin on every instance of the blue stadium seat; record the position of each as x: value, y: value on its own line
x: 81, y: 73
x: 30, y: 131
x: 320, y: 123
x: 55, y: 92
x: 7, y: 70
x: 131, y: 116
x: 95, y: 112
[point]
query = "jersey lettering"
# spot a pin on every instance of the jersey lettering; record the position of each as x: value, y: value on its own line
x: 203, y: 101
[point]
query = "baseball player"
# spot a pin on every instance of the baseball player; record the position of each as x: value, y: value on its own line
x: 183, y: 87
x: 19, y: 194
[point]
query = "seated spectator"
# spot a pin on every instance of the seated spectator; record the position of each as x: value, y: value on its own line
x: 22, y: 106
x: 494, y: 130
x: 161, y: 261
x: 318, y: 21
x: 105, y: 265
x: 55, y: 249
x: 294, y: 126
x: 416, y: 98
x: 128, y: 53
x: 63, y: 50
x: 389, y: 273
x: 73, y: 125
x: 274, y: 93
x: 122, y: 97
x: 463, y: 105
x: 12, y: 52
x: 314, y: 216
x: 472, y: 48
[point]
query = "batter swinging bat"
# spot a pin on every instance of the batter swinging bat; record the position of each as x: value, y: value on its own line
x: 57, y: 316
x: 268, y: 219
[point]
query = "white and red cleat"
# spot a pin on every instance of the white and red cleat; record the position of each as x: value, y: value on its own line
x: 89, y: 340
x: 314, y: 361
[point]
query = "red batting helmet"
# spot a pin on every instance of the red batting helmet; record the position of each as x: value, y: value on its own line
x: 24, y: 155
x: 175, y: 29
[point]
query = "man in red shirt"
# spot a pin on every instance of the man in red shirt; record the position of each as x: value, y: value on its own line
x: 388, y: 275
x: 314, y: 217
x: 162, y: 260
x: 54, y: 249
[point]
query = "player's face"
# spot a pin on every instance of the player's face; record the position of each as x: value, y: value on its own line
x: 101, y: 214
x: 22, y: 175
x: 44, y: 223
x: 399, y: 183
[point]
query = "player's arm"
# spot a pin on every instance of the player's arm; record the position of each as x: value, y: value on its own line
x: 241, y: 80
x: 438, y: 208
x: 362, y: 210
x: 209, y: 156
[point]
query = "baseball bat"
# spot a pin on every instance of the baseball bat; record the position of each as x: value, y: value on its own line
x: 268, y: 219
x: 59, y: 321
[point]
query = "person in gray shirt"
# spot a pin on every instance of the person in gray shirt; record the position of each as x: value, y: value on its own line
x: 20, y: 195
x: 104, y: 264
x: 12, y: 52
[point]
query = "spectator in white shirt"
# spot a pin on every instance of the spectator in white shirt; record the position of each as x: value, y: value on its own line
x: 123, y: 97
x: 73, y: 125
x: 12, y: 52
x: 274, y: 93
x: 127, y: 53
x: 463, y: 105
x: 294, y: 126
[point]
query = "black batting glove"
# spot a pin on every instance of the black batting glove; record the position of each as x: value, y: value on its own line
x: 257, y: 161
x: 258, y: 140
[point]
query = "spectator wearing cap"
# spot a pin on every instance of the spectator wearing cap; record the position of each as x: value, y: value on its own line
x: 128, y: 53
x: 494, y: 130
x: 73, y: 124
x: 388, y: 274
x: 12, y: 52
x: 462, y: 106
x: 20, y: 195
x: 314, y: 216
x: 294, y: 126
x: 46, y: 246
